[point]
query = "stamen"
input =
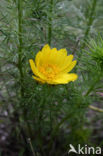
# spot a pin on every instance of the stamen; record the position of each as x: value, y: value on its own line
x: 49, y: 71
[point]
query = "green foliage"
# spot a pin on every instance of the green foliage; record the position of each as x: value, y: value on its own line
x: 51, y: 117
x: 96, y: 51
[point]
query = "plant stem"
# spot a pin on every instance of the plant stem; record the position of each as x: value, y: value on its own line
x: 90, y: 21
x: 51, y: 120
x: 55, y: 131
x: 31, y: 146
x: 95, y: 108
x: 44, y: 100
x: 66, y: 118
x: 20, y: 45
x: 61, y: 122
x: 89, y: 91
x: 50, y: 23
x: 93, y: 85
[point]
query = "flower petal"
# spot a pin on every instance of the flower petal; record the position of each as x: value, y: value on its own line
x: 38, y: 58
x: 65, y: 78
x: 70, y: 66
x: 33, y: 67
x: 57, y: 57
x: 46, y: 52
x: 67, y: 62
x: 63, y: 52
x: 46, y: 49
x: 38, y: 79
x: 35, y: 70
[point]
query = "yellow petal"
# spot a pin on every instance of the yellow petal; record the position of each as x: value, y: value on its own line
x: 33, y: 67
x: 57, y: 57
x: 35, y: 70
x: 63, y: 52
x: 46, y: 51
x: 38, y: 79
x: 70, y: 66
x: 38, y: 58
x: 46, y: 48
x: 66, y: 62
x: 65, y: 78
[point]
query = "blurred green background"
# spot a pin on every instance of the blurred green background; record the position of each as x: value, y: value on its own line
x: 25, y: 126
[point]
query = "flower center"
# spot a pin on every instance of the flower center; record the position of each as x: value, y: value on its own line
x: 49, y: 70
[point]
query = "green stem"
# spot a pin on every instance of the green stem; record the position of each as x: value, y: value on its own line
x: 96, y: 108
x: 50, y: 23
x: 20, y: 45
x: 31, y: 146
x: 93, y: 85
x: 44, y: 100
x: 50, y: 91
x: 51, y: 120
x: 61, y: 122
x: 90, y: 21
x: 55, y: 131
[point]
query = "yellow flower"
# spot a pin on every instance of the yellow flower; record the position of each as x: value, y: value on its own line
x: 52, y: 66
